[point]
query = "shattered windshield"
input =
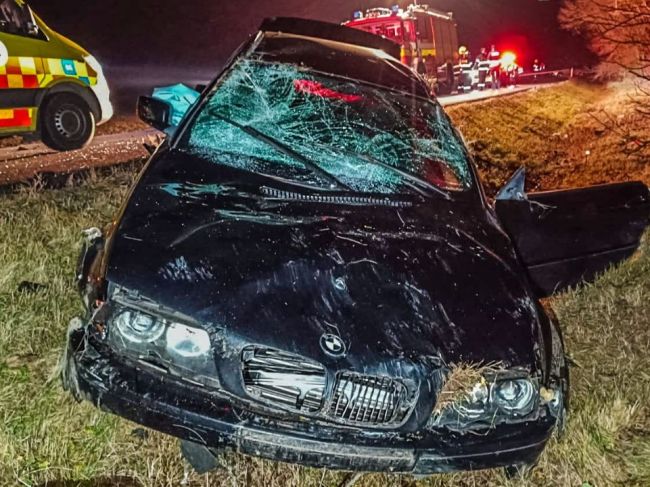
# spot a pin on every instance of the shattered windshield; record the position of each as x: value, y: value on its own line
x: 327, y: 132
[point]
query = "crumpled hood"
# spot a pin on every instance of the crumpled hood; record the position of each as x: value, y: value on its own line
x: 397, y: 285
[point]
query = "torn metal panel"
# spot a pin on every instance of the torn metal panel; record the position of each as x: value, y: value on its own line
x: 568, y: 236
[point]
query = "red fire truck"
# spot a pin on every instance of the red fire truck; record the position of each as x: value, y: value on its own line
x: 428, y: 38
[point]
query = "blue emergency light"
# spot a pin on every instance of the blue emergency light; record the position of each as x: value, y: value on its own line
x: 357, y: 14
x: 395, y: 9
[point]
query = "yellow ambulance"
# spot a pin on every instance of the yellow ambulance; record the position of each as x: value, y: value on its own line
x: 49, y: 86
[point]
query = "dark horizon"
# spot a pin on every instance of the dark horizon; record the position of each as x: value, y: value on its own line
x: 205, y: 33
x: 147, y: 43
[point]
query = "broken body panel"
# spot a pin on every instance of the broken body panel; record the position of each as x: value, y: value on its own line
x: 565, y: 237
x: 297, y: 281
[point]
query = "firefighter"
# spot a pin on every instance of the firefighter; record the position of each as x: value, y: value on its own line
x: 430, y: 63
x: 421, y: 68
x: 494, y: 58
x: 483, y: 64
x: 464, y: 70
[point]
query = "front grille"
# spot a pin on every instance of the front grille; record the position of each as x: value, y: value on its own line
x: 283, y: 379
x: 369, y: 400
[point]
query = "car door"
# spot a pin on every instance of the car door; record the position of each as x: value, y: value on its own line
x: 21, y: 43
x: 567, y: 236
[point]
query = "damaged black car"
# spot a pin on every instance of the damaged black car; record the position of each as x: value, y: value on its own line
x: 308, y: 270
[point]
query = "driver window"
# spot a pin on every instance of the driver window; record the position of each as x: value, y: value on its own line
x: 17, y: 19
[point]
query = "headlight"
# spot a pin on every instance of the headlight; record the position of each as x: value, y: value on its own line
x: 181, y: 350
x: 500, y: 397
x: 187, y: 342
x: 138, y: 327
x: 515, y: 396
x: 476, y: 404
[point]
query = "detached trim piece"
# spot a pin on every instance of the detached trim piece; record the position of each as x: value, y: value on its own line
x: 283, y: 379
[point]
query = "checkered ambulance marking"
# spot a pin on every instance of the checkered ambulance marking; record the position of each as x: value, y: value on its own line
x: 16, y: 117
x: 35, y: 73
x: 28, y: 72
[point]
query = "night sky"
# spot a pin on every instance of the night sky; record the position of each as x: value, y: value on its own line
x: 195, y: 37
x: 200, y: 31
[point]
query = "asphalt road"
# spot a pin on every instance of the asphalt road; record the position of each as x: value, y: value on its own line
x: 25, y: 161
x: 473, y: 96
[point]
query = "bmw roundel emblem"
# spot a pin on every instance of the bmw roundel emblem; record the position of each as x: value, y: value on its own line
x: 332, y: 345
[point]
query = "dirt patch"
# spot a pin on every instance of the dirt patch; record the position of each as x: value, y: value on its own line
x: 116, y: 125
x: 120, y: 124
x: 11, y: 141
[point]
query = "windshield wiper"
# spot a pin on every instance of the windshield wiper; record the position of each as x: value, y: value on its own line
x: 417, y: 183
x: 281, y: 147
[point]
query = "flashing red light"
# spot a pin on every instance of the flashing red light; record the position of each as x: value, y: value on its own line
x: 508, y: 59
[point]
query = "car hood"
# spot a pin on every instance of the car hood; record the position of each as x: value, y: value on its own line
x: 429, y: 281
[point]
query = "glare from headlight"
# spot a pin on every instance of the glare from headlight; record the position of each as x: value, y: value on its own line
x: 514, y: 395
x: 187, y: 342
x: 138, y: 327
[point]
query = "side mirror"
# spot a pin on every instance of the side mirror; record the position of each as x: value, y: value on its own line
x: 514, y: 189
x: 154, y: 112
x: 32, y: 29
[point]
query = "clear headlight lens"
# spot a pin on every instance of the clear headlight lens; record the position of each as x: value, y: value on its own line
x: 514, y: 395
x: 475, y: 405
x: 138, y: 327
x: 491, y: 401
x: 182, y: 350
x: 187, y: 342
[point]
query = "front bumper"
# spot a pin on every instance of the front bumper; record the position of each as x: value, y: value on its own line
x: 190, y: 412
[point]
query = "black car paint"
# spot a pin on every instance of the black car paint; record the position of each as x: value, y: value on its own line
x: 411, y: 284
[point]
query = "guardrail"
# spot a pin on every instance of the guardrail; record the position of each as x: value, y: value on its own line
x: 548, y: 76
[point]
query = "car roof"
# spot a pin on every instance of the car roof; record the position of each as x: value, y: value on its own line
x: 337, y: 50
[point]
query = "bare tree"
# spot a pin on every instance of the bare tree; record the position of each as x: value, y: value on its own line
x: 618, y: 31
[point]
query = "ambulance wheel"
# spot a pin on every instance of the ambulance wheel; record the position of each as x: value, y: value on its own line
x: 67, y: 123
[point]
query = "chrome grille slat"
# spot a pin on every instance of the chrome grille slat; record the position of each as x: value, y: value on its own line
x: 368, y: 400
x: 294, y: 382
x: 284, y: 379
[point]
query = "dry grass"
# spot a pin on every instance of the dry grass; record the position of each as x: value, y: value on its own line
x: 47, y: 439
x: 567, y: 136
x: 460, y: 381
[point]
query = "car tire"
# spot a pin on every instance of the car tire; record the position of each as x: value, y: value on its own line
x: 67, y: 122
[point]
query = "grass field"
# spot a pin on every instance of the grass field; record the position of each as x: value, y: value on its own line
x: 48, y: 439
